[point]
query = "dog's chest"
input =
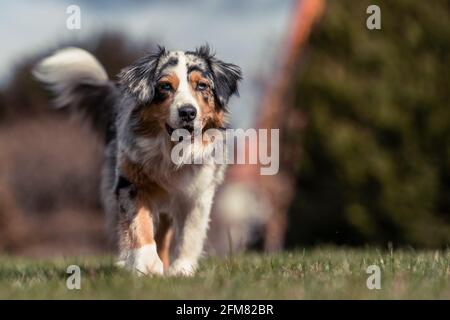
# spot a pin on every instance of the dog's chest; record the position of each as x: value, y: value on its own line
x: 184, y: 185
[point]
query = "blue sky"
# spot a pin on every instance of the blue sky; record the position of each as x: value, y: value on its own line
x: 247, y: 33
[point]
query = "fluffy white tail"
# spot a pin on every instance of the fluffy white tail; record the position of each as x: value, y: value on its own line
x: 80, y: 82
x: 68, y: 68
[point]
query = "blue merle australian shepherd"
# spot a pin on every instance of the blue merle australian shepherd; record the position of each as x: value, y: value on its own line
x: 158, y: 209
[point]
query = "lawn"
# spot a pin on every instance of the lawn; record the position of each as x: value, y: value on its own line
x: 327, y: 273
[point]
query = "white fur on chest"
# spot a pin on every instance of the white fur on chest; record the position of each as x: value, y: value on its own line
x: 187, y: 188
x: 184, y: 184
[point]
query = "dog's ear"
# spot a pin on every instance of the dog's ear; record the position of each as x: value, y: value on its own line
x: 138, y: 80
x: 226, y: 76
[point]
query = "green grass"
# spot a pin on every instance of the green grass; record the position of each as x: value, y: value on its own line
x: 327, y: 273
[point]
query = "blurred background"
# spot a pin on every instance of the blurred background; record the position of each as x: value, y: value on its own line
x: 364, y: 119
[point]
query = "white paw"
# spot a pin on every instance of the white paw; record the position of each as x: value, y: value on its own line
x: 181, y: 267
x: 143, y: 261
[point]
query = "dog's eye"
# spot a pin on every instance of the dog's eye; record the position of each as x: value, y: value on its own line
x: 165, y: 86
x: 201, y: 86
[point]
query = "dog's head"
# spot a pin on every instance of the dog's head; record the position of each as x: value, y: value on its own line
x: 176, y: 89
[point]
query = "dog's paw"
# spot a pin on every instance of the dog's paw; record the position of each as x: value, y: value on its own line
x: 143, y: 261
x: 181, y: 267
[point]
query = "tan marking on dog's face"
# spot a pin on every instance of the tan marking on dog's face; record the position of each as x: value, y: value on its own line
x: 171, y: 79
x: 153, y: 117
x: 201, y: 88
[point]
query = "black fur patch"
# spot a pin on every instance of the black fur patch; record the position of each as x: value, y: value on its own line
x: 139, y: 79
x: 123, y: 183
x: 96, y: 102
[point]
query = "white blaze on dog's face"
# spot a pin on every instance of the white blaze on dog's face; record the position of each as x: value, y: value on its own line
x: 177, y: 89
x: 184, y: 110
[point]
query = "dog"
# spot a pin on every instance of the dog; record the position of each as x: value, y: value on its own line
x: 159, y: 209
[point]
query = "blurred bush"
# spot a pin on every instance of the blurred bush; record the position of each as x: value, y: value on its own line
x: 375, y: 166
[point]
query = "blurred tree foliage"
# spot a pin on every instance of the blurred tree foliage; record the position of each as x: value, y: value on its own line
x: 375, y: 165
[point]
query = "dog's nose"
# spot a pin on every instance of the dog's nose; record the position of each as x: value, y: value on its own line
x: 187, y: 112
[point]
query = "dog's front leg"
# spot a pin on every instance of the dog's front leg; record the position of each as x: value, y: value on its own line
x: 136, y: 235
x: 190, y: 234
